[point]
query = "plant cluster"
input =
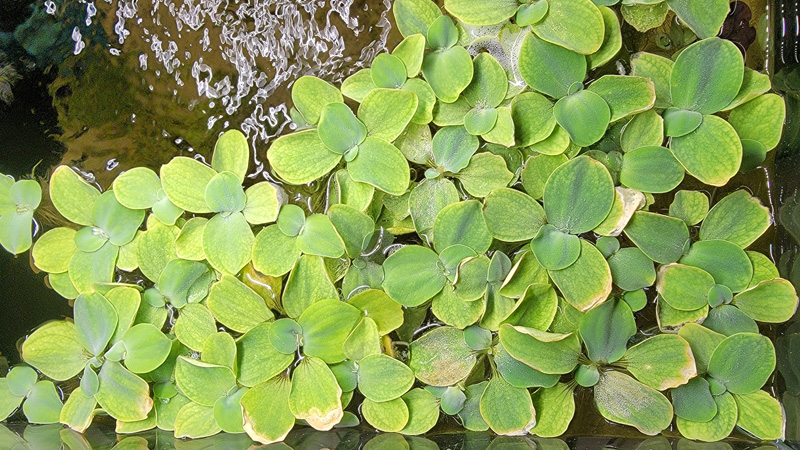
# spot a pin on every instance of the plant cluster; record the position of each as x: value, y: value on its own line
x: 478, y: 185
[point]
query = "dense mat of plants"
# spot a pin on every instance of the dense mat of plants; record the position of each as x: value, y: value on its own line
x: 489, y: 239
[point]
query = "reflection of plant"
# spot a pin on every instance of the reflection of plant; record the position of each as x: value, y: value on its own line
x: 8, y: 78
x: 248, y: 311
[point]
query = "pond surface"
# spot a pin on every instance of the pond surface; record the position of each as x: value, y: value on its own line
x: 108, y: 85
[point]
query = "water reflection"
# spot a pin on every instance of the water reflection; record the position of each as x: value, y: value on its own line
x: 47, y: 437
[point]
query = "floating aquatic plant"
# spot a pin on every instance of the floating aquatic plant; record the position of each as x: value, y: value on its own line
x: 495, y: 197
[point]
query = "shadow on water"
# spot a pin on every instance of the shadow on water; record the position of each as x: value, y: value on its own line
x: 107, y: 85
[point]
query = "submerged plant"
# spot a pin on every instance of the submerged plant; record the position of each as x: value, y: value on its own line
x: 495, y: 226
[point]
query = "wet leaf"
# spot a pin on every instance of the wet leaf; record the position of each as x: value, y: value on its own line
x: 743, y: 362
x: 624, y: 400
x: 441, y: 357
x: 184, y: 181
x: 310, y: 95
x: 382, y: 378
x: 508, y: 410
x: 315, y: 395
x: 737, y: 218
x: 537, y: 68
x: 718, y: 427
x: 195, y: 421
x: 137, y: 188
x: 555, y: 407
x: 264, y: 200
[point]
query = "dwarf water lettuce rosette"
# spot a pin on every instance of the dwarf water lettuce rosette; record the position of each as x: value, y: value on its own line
x: 498, y: 219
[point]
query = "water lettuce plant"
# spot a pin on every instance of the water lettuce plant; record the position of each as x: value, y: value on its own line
x: 499, y: 223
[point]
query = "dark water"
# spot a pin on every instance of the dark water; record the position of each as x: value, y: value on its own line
x: 108, y: 85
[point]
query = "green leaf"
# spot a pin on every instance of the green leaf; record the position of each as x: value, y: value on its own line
x: 536, y: 308
x: 689, y: 206
x: 220, y: 349
x: 118, y: 223
x: 146, y: 348
x: 651, y: 169
x: 389, y: 416
x: 156, y: 248
x: 525, y: 272
x: 137, y: 188
x: 20, y: 380
x: 662, y: 361
x: 326, y: 325
x: 95, y: 320
x: 354, y: 227
x: 72, y: 196
x: 196, y: 421
x: 537, y: 68
x: 743, y: 362
x: 452, y: 148
x: 606, y: 330
x: 412, y: 275
x: 693, y: 401
x: 662, y: 238
x: 489, y: 83
x: 274, y: 253
x: 8, y: 401
x: 712, y: 164
x: 738, y: 218
x: 703, y: 342
x: 350, y: 192
x: 624, y: 400
x: 753, y: 85
x: 612, y: 39
x: 257, y: 358
x: 224, y: 193
x: 184, y: 282
x: 512, y: 216
x: 584, y: 115
x: 519, y: 374
x: 426, y: 101
x: 476, y: 12
x: 587, y: 282
x: 184, y: 181
x: 578, y: 195
x: 78, y: 411
x: 625, y: 95
x: 195, y: 323
x: 658, y: 69
x: 15, y: 231
x: 707, y: 75
x: 705, y: 20
x: 319, y: 237
x: 308, y: 283
x: 533, y: 118
x: 555, y: 407
x: 123, y: 395
x: 310, y: 95
x: 550, y: 353
x: 339, y: 129
x: 537, y: 170
x: 228, y: 242
x: 718, y: 427
x: 772, y: 301
x: 680, y: 122
x: 760, y: 415
x: 415, y: 16
x: 448, y: 72
x: 423, y: 411
x: 729, y: 320
x: 43, y: 404
x: 228, y: 412
x: 683, y: 287
x: 427, y: 199
x: 484, y: 173
x: 763, y: 268
x: 315, y: 395
x: 441, y: 357
x: 452, y: 310
x: 232, y: 153
x: 380, y: 164
x: 508, y: 410
x: 555, y: 249
x: 54, y: 249
x: 631, y: 269
x: 202, y: 382
x: 442, y: 33
x: 461, y: 223
x: 375, y: 304
x: 387, y: 112
x: 574, y: 24
x: 643, y: 130
x: 363, y: 341
x: 726, y: 262
x: 236, y: 306
x: 300, y: 158
x: 411, y: 51
x: 382, y: 378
